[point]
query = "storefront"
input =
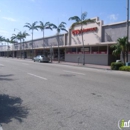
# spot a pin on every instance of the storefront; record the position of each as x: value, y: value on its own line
x: 92, y: 43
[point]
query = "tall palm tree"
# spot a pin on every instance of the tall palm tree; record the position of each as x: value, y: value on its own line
x: 32, y: 27
x: 42, y: 27
x: 2, y: 39
x: 18, y: 37
x: 81, y: 21
x: 24, y: 35
x: 120, y: 47
x: 7, y: 40
x: 59, y: 28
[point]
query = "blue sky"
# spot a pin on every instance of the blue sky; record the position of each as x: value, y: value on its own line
x: 15, y: 13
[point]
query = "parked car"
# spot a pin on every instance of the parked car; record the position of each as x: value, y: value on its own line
x: 41, y: 58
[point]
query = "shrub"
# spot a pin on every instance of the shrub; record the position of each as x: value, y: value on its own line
x: 116, y: 65
x: 125, y: 68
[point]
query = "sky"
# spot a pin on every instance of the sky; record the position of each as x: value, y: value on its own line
x: 15, y: 13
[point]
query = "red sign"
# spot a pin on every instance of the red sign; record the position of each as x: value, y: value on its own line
x: 75, y: 32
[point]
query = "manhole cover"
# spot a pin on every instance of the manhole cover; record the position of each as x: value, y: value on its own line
x: 67, y: 75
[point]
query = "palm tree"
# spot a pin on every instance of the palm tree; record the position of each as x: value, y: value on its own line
x: 60, y: 27
x: 24, y: 35
x: 2, y: 39
x: 42, y: 27
x: 32, y: 27
x: 120, y: 47
x: 18, y: 37
x: 7, y: 40
x: 81, y: 21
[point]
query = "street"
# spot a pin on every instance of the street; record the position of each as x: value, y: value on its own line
x: 46, y: 96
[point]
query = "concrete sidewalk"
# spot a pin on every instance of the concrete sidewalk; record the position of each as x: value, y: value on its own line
x: 81, y: 65
x: 76, y: 64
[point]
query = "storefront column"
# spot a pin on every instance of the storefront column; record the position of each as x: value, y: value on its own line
x: 90, y: 50
x: 107, y: 49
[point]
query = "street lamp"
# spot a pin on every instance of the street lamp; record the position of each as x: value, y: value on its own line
x: 127, y: 30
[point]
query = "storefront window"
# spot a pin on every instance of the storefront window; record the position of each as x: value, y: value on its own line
x: 102, y: 49
x: 95, y: 50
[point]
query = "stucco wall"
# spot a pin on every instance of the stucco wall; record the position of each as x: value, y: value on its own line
x: 89, y: 37
x: 38, y: 43
x: 110, y: 33
x: 101, y: 59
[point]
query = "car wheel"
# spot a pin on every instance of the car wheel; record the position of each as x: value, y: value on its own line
x: 34, y: 60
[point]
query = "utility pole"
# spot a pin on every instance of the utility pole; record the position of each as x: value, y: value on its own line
x: 127, y: 31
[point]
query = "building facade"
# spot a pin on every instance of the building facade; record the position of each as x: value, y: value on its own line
x: 97, y: 39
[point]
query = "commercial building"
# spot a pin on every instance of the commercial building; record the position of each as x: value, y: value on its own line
x: 97, y: 41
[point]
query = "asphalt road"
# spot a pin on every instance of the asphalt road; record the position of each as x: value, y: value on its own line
x: 45, y: 96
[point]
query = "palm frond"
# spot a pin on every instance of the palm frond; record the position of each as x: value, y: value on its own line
x: 63, y: 29
x: 88, y: 21
x: 48, y: 28
x: 29, y: 27
x: 83, y: 16
x: 75, y: 18
x: 74, y: 24
x: 47, y: 24
x: 61, y: 26
x: 40, y: 27
x: 53, y: 26
x: 41, y: 24
x: 63, y: 23
x: 34, y: 24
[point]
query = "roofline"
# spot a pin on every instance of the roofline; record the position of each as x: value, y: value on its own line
x: 46, y: 37
x: 115, y: 23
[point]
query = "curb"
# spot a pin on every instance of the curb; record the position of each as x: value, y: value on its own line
x: 82, y: 66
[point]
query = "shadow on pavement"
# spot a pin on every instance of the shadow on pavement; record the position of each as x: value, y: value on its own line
x: 5, y: 77
x: 11, y: 108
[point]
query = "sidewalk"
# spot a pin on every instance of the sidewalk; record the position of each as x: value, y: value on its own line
x: 81, y: 65
x: 76, y: 64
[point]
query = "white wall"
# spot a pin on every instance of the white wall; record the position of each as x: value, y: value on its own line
x: 99, y: 59
x: 90, y: 37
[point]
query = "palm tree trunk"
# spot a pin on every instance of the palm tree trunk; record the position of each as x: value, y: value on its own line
x: 58, y: 49
x: 83, y: 45
x: 43, y: 43
x: 7, y: 50
x: 32, y: 45
x: 20, y: 50
x: 123, y: 56
x: 23, y: 50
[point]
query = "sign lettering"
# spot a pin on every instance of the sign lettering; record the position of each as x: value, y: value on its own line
x: 76, y: 32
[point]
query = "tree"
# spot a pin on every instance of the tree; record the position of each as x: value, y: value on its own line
x: 8, y: 41
x: 120, y: 47
x: 2, y: 39
x: 32, y: 27
x: 42, y: 27
x: 18, y: 37
x: 24, y: 35
x: 60, y: 27
x: 81, y: 21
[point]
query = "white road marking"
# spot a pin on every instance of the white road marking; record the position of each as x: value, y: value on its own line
x: 37, y: 76
x: 25, y: 64
x: 74, y: 72
x: 1, y: 65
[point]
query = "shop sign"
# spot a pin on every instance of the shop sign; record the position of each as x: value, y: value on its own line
x: 76, y: 32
